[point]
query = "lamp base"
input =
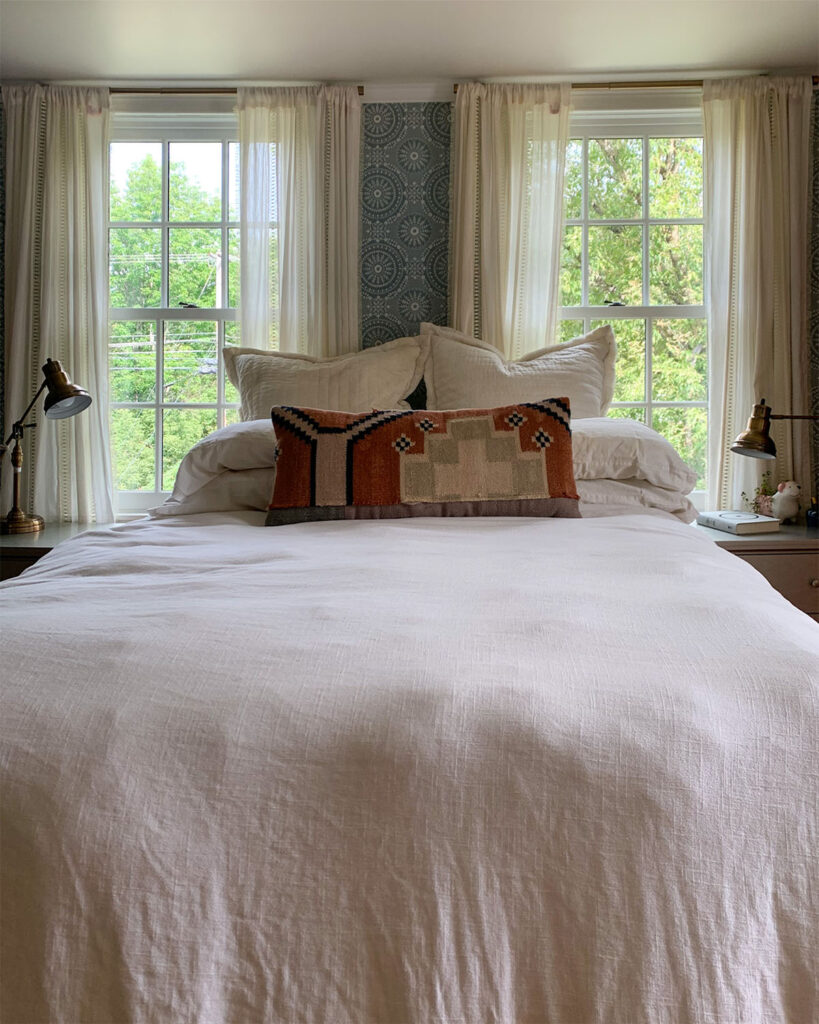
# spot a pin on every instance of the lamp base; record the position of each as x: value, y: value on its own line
x: 19, y: 522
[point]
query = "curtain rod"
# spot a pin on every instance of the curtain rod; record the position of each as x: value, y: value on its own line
x: 188, y: 92
x: 681, y: 83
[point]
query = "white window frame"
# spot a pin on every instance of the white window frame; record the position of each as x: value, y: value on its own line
x: 149, y: 120
x: 626, y: 122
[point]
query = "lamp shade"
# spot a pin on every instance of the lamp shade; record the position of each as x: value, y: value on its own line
x: 64, y: 399
x: 755, y: 440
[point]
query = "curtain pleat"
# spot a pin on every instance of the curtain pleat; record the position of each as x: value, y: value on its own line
x: 756, y: 216
x: 507, y: 215
x: 57, y: 292
x: 299, y: 154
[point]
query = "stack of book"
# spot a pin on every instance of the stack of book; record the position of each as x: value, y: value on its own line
x: 738, y: 522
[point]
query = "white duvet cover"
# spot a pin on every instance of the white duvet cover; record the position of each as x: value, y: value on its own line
x: 414, y: 771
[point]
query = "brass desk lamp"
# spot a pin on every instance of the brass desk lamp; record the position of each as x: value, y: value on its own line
x: 756, y: 439
x: 64, y: 399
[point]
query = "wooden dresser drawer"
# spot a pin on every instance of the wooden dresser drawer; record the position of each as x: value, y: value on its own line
x: 794, y: 574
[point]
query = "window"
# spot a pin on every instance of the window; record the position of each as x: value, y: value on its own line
x: 174, y: 281
x: 633, y: 257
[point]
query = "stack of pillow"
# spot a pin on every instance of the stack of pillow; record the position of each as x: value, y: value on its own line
x: 618, y: 464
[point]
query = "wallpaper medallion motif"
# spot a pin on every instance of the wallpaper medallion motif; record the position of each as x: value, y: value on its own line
x: 404, y: 218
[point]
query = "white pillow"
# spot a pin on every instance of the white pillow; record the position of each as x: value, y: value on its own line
x: 465, y: 373
x: 625, y: 449
x: 375, y: 378
x: 232, y: 468
x: 600, y: 497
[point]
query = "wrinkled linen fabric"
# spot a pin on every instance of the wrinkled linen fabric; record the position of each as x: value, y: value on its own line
x: 554, y: 770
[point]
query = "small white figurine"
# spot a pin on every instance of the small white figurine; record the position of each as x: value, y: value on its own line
x: 786, y: 501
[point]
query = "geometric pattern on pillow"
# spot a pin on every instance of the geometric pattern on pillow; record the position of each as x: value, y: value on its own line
x: 515, y: 460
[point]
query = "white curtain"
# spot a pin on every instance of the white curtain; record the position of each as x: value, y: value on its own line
x: 507, y: 214
x: 756, y: 215
x: 299, y: 155
x: 57, y: 293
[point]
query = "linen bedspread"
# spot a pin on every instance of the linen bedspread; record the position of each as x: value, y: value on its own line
x: 409, y: 771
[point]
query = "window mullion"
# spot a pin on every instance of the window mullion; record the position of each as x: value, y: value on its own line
x: 646, y: 216
x: 166, y: 171
x: 584, y: 230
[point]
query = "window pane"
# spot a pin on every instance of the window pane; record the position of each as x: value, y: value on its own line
x: 679, y: 364
x: 568, y: 329
x: 195, y: 181
x: 132, y: 361
x: 136, y: 180
x: 571, y: 267
x: 675, y: 177
x: 233, y: 181
x: 630, y: 378
x: 675, y: 264
x: 182, y: 428
x: 687, y: 430
x: 135, y: 266
x: 615, y: 179
x: 231, y: 416
x: 616, y: 265
x: 625, y: 412
x: 195, y: 266
x: 132, y: 449
x: 573, y: 189
x: 190, y: 364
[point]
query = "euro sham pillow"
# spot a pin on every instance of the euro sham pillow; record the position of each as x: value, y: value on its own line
x: 510, y: 461
x: 380, y: 377
x: 622, y: 449
x: 463, y: 372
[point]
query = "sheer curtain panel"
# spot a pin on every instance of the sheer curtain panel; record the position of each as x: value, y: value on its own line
x: 757, y: 162
x: 299, y: 218
x: 507, y: 214
x: 57, y: 291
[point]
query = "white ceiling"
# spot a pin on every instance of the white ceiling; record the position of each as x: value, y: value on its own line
x: 400, y: 40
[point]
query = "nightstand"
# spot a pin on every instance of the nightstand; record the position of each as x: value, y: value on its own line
x: 788, y: 559
x: 20, y: 550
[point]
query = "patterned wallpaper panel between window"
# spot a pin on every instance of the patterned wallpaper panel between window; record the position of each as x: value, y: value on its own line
x: 405, y: 190
x: 813, y: 296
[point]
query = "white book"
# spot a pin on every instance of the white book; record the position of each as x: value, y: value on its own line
x: 738, y: 522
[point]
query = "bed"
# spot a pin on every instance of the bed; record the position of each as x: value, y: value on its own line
x: 410, y: 770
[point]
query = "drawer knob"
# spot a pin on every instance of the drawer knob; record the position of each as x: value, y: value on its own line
x: 815, y: 583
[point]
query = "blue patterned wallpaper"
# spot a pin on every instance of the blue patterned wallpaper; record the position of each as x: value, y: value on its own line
x: 2, y: 270
x: 404, y: 218
x: 813, y: 294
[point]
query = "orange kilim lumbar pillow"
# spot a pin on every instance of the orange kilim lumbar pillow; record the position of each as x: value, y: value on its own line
x: 513, y: 461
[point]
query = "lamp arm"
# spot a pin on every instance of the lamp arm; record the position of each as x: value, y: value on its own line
x: 17, y: 427
x: 782, y: 416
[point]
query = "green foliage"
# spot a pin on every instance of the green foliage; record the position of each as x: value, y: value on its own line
x: 679, y: 361
x: 616, y: 265
x: 615, y: 179
x: 687, y: 430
